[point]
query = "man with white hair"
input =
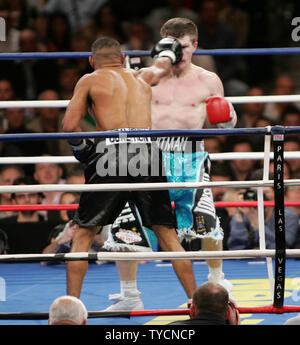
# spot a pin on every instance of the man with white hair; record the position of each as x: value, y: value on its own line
x: 67, y: 310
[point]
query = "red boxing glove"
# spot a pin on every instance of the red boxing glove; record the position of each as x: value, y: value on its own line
x: 220, y: 111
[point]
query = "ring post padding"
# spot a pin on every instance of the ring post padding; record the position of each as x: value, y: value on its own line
x: 261, y: 210
x: 280, y: 244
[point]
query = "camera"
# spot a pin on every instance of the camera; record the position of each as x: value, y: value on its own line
x: 250, y: 195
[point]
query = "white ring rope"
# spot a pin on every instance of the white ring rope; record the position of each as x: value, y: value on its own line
x: 39, y: 159
x: 213, y: 157
x: 138, y: 186
x: 132, y: 256
x: 233, y: 100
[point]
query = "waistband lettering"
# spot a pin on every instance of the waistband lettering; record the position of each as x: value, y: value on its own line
x: 127, y: 140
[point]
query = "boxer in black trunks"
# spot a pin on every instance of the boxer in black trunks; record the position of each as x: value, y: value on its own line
x: 120, y: 98
x: 109, y: 161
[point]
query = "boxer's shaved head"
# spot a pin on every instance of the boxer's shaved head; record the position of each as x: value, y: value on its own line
x: 106, y: 48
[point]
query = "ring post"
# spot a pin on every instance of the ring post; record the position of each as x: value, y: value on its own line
x: 280, y: 247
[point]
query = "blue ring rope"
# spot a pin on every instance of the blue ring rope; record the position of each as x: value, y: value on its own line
x: 141, y: 53
x: 132, y: 133
x: 149, y: 133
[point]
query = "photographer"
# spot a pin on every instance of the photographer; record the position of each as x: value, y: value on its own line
x: 244, y: 224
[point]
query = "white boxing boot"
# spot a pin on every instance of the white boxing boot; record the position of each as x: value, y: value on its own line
x: 130, y: 301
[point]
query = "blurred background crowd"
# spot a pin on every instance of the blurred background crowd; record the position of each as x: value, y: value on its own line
x: 72, y: 25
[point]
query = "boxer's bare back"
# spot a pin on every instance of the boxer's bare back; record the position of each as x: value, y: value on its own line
x: 123, y: 87
x: 117, y: 98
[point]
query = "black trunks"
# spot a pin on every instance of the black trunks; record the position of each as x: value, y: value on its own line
x: 125, y: 160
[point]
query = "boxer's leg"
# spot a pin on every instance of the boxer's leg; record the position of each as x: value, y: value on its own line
x: 206, y: 221
x: 169, y: 241
x: 129, y: 298
x: 202, y: 220
x: 215, y: 266
x: 76, y: 270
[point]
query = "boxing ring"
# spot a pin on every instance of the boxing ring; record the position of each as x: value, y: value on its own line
x: 275, y: 269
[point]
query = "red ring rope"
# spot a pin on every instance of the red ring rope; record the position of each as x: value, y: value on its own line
x: 58, y: 207
x: 157, y: 312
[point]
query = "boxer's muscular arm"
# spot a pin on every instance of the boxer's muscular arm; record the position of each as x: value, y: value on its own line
x: 77, y: 106
x: 152, y: 75
x: 76, y: 109
x: 215, y: 86
x: 219, y: 110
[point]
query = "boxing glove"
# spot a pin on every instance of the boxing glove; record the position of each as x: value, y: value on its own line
x: 82, y: 150
x: 220, y: 112
x: 168, y: 47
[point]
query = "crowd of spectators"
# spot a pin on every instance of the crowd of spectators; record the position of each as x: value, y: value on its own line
x: 59, y: 26
x: 31, y: 231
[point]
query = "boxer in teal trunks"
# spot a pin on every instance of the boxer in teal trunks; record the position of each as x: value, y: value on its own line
x: 194, y: 208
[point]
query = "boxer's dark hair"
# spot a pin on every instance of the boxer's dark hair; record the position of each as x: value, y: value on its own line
x: 179, y: 27
x: 105, y: 42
